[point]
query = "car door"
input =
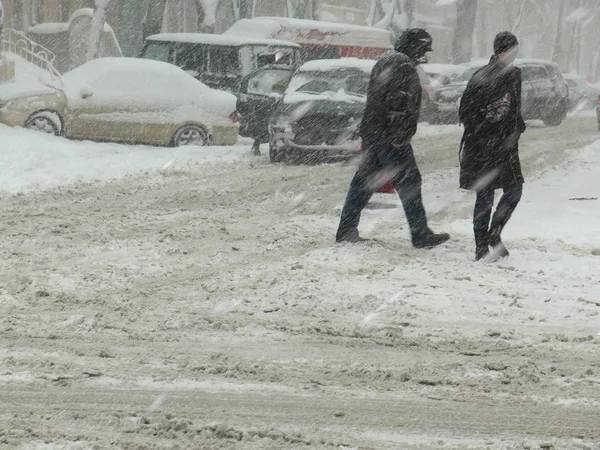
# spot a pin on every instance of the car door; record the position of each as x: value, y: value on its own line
x: 259, y: 92
x: 112, y: 107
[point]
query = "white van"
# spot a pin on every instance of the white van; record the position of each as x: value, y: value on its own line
x: 219, y: 61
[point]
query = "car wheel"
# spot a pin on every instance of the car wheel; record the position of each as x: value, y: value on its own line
x: 190, y: 135
x: 45, y: 122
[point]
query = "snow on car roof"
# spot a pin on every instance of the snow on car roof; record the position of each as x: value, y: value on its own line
x: 100, y: 65
x: 444, y: 69
x: 324, y: 65
x: 312, y: 31
x: 219, y: 39
x: 518, y: 62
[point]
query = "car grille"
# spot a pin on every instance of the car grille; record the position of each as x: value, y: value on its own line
x: 323, y: 129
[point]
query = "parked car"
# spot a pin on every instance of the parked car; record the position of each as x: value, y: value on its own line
x: 582, y: 95
x: 545, y: 92
x: 268, y: 95
x: 318, y: 117
x: 442, y: 74
x: 219, y: 61
x: 125, y: 100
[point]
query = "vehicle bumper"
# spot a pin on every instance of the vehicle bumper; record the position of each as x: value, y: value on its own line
x: 310, y: 153
x: 224, y: 134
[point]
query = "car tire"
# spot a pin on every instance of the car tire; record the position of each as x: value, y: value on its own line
x: 44, y: 122
x: 190, y: 134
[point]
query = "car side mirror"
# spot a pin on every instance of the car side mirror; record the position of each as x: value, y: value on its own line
x: 86, y: 91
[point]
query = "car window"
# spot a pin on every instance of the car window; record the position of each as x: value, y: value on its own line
x: 531, y: 73
x: 269, y: 82
x: 158, y: 51
x: 266, y: 56
x: 191, y: 57
x: 224, y: 60
x: 353, y: 82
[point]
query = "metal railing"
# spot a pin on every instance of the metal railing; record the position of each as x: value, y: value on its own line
x: 17, y: 42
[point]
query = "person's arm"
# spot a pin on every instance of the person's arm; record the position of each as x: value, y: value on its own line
x: 470, y: 111
x: 404, y: 102
x: 518, y: 84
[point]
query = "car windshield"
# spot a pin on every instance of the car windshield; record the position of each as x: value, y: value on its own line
x: 353, y: 82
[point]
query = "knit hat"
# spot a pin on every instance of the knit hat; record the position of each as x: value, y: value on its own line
x: 414, y: 42
x: 504, y: 41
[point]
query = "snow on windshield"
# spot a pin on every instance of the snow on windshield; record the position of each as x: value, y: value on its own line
x: 350, y: 82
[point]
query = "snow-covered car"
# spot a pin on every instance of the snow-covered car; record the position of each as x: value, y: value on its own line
x: 270, y: 93
x: 318, y: 117
x: 442, y: 74
x: 582, y: 95
x: 545, y: 94
x: 124, y: 100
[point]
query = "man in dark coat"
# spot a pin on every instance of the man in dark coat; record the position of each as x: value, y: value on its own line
x: 389, y: 122
x: 490, y: 111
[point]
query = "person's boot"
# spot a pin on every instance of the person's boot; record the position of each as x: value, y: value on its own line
x: 352, y: 238
x: 498, y: 248
x: 432, y: 240
x: 482, y: 245
x: 256, y: 147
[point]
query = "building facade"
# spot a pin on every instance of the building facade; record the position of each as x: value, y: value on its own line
x: 126, y: 17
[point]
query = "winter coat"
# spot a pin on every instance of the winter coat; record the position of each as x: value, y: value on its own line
x: 490, y: 111
x: 393, y: 101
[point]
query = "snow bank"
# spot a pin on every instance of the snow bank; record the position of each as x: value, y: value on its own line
x: 32, y: 161
x: 25, y: 70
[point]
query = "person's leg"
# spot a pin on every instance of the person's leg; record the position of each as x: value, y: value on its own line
x: 406, y: 178
x: 256, y: 147
x: 481, y: 222
x: 507, y: 205
x: 361, y: 190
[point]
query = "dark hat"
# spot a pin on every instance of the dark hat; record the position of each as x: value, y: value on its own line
x: 414, y: 40
x: 504, y: 41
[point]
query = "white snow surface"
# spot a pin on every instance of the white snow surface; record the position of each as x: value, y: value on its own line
x: 26, y: 71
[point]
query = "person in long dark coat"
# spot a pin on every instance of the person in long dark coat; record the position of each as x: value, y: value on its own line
x: 389, y: 122
x: 490, y: 111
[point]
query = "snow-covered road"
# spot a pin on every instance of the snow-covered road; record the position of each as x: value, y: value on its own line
x: 193, y: 298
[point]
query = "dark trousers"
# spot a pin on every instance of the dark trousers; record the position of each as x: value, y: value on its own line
x: 486, y: 233
x: 379, y: 163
